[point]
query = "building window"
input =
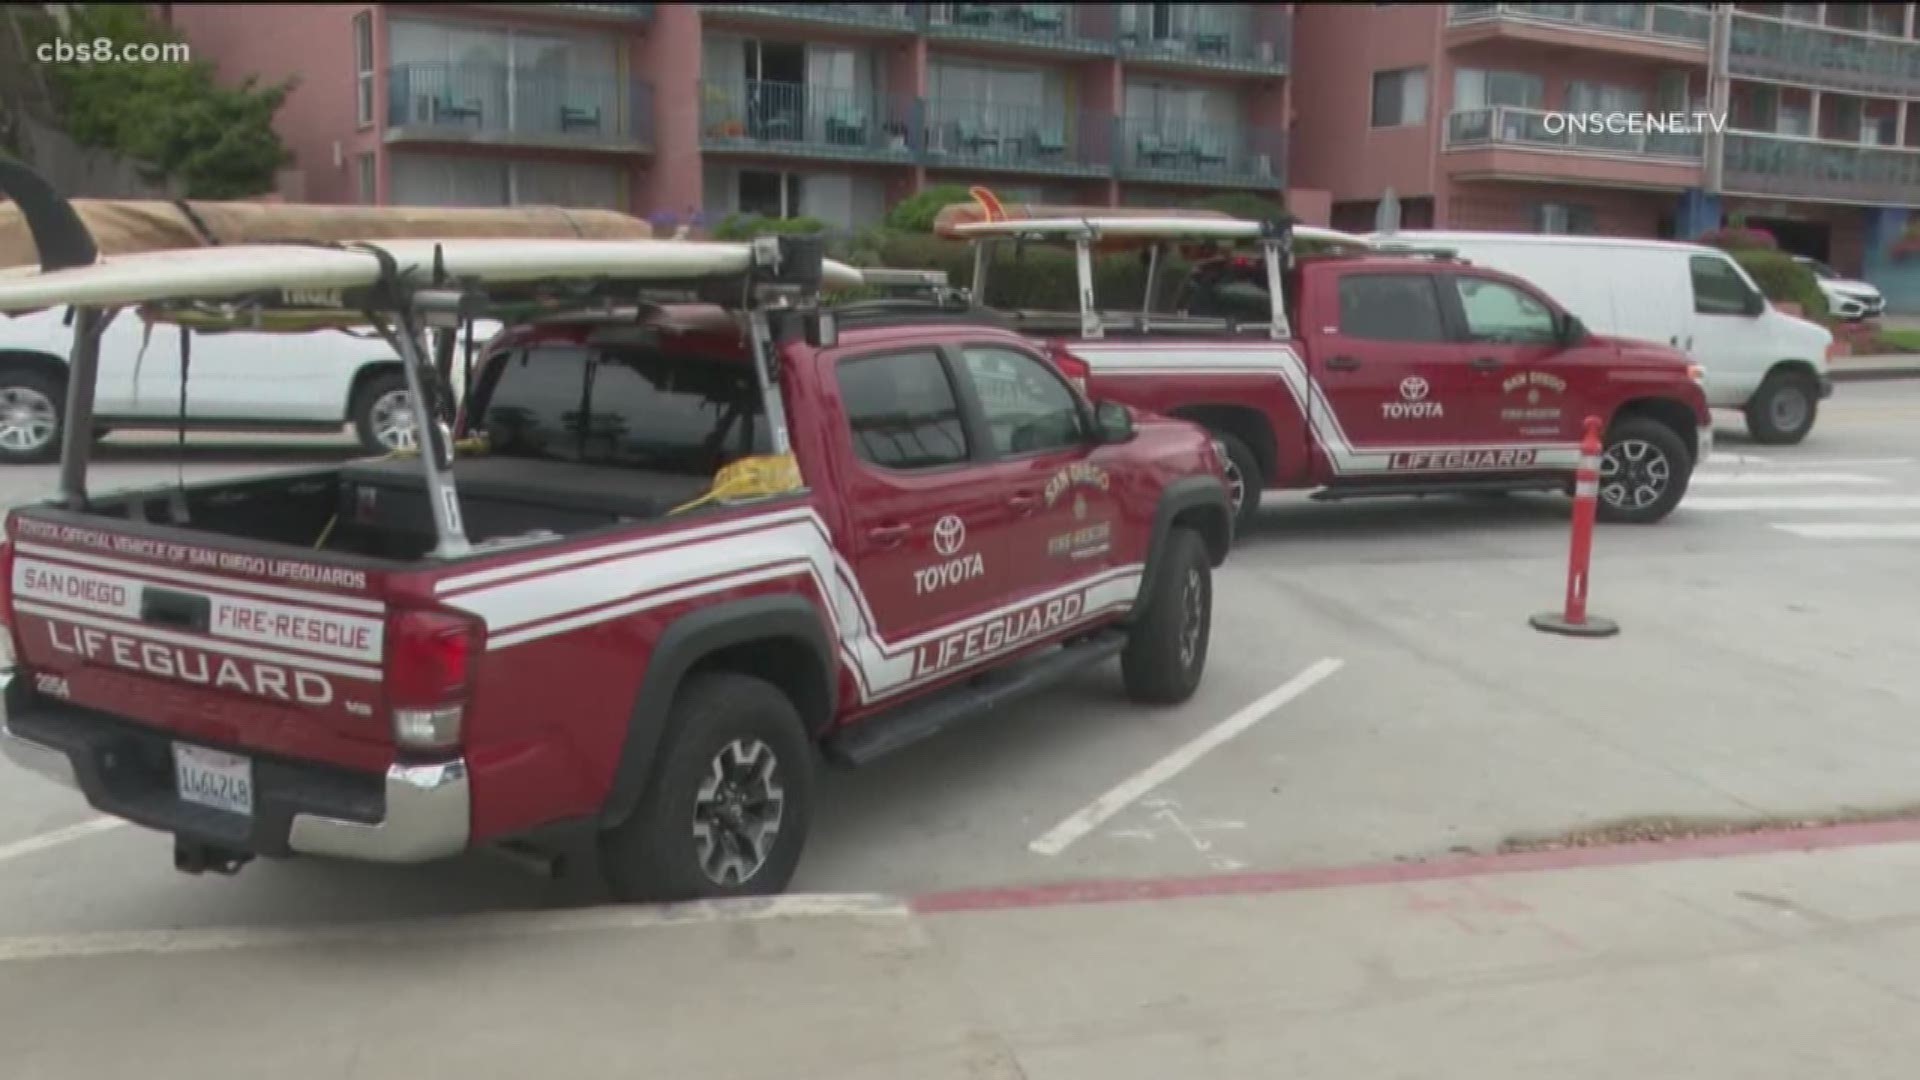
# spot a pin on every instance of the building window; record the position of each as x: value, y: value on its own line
x: 368, y: 179
x: 1399, y: 97
x: 1563, y: 218
x: 363, y: 66
x: 768, y: 194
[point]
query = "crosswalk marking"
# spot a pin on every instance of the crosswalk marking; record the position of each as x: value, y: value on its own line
x: 1723, y: 503
x: 1782, y: 479
x: 1853, y: 530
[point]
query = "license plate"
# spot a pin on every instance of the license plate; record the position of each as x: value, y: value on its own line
x: 212, y: 778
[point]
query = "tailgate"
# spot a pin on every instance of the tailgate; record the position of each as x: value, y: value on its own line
x: 222, y: 645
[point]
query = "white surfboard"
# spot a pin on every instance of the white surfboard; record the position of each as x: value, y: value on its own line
x: 225, y: 272
x: 1144, y: 228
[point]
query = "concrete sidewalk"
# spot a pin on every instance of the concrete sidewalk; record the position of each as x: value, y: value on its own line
x: 1782, y: 964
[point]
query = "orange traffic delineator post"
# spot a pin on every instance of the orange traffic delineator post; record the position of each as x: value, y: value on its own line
x: 1574, y: 620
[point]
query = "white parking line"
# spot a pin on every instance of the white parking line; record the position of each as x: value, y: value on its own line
x: 1783, y: 479
x: 1854, y: 530
x: 1090, y: 817
x: 1805, y: 463
x: 489, y: 925
x: 1802, y: 502
x: 57, y: 837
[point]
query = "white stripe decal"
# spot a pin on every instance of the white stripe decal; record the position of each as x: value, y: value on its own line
x: 1310, y: 399
x: 649, y: 543
x: 626, y: 579
x: 143, y: 631
x: 299, y: 596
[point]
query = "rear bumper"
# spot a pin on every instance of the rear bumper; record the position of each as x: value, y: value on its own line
x: 415, y: 813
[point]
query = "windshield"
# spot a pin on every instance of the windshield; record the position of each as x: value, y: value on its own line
x: 1820, y: 269
x: 645, y: 409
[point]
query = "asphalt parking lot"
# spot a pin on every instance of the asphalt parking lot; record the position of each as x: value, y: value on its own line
x: 1374, y: 693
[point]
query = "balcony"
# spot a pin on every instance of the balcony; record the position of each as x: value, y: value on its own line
x: 1788, y: 166
x: 625, y: 13
x: 1015, y: 138
x: 799, y: 120
x: 1216, y: 37
x: 1084, y: 29
x: 1863, y: 63
x: 1505, y: 143
x: 1659, y: 31
x: 883, y: 18
x: 1201, y: 154
x: 433, y: 101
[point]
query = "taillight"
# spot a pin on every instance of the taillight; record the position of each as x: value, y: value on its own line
x: 7, y: 651
x: 1075, y: 369
x: 430, y: 658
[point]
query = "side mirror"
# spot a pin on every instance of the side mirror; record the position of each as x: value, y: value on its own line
x: 1113, y: 423
x: 1756, y: 304
x: 1572, y: 331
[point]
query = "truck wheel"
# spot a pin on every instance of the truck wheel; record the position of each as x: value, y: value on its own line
x: 383, y: 414
x: 1167, y: 649
x: 1781, y: 412
x: 1245, y: 482
x: 1644, y: 470
x: 727, y: 811
x: 32, y: 406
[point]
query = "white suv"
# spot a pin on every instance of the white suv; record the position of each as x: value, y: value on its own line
x: 236, y: 381
x: 1846, y: 298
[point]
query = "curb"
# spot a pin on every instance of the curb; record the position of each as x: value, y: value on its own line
x: 1874, y: 374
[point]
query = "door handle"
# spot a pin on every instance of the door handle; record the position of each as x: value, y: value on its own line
x: 1483, y: 363
x: 1343, y: 363
x: 1023, y: 502
x: 888, y: 535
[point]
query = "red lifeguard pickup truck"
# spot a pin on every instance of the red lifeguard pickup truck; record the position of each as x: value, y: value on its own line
x: 1376, y: 375
x: 699, y: 544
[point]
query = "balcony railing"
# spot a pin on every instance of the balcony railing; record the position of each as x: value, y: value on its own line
x: 492, y: 100
x: 1231, y: 36
x: 803, y: 120
x: 1201, y: 154
x: 1018, y: 138
x: 1505, y: 125
x: 1757, y: 164
x: 1663, y: 22
x: 1086, y: 28
x: 1843, y: 59
x: 607, y: 11
x: 868, y: 16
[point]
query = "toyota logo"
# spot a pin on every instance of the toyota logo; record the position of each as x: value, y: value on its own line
x: 949, y: 534
x: 1413, y: 388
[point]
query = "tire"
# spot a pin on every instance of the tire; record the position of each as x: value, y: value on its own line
x: 729, y: 722
x: 1644, y: 470
x: 1782, y: 411
x: 33, y: 409
x: 1166, y: 649
x: 1245, y: 481
x: 372, y: 421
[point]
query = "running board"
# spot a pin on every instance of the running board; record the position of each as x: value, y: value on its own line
x: 1457, y: 487
x: 889, y: 732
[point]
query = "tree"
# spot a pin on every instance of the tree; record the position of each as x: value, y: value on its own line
x: 216, y: 141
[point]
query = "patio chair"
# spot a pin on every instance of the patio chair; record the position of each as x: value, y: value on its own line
x: 1047, y: 143
x: 1042, y: 20
x: 847, y: 127
x: 579, y: 118
x: 442, y: 108
x: 972, y: 138
x: 1150, y: 149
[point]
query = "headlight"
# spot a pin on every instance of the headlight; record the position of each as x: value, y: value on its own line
x: 1697, y: 372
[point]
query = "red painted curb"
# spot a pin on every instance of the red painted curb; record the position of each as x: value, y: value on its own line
x: 1276, y: 881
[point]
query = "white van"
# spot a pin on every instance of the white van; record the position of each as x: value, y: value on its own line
x: 236, y: 381
x: 1760, y: 360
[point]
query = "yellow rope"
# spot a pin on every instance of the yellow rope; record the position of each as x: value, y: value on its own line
x: 750, y: 478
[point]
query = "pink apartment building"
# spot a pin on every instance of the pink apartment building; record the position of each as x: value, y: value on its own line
x: 829, y: 110
x: 1449, y: 107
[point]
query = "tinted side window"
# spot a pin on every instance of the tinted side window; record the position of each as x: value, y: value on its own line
x: 1718, y: 288
x: 1391, y: 307
x: 533, y: 409
x: 1497, y: 312
x: 903, y: 411
x: 1029, y: 408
